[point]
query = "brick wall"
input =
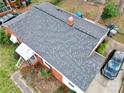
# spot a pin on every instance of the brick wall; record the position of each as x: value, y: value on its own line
x: 57, y: 75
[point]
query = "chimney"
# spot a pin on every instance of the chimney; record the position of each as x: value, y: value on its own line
x: 70, y: 21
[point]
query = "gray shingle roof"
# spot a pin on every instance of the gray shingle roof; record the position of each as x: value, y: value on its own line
x: 44, y: 29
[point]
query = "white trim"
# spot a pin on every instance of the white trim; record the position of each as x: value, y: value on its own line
x: 13, y: 39
x: 75, y: 88
x: 47, y: 64
x: 66, y: 81
x: 18, y: 64
x: 98, y: 44
x: 25, y: 51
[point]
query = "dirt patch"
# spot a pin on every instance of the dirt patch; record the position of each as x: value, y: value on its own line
x: 36, y: 81
x: 90, y: 10
x: 118, y: 21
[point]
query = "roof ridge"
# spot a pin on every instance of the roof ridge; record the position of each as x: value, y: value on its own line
x: 63, y: 21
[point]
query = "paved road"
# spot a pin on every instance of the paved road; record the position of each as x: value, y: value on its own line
x: 17, y: 78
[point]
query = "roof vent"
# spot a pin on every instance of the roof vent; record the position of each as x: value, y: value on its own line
x: 70, y: 21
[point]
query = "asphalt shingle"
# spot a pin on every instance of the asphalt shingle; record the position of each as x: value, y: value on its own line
x: 68, y: 49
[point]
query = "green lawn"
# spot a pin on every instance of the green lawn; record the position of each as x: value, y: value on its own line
x: 7, y: 67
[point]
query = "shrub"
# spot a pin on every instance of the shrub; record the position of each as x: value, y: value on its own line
x: 101, y: 49
x: 110, y: 10
x: 4, y: 38
x: 45, y: 74
x: 71, y: 91
x: 55, y: 1
x: 60, y: 89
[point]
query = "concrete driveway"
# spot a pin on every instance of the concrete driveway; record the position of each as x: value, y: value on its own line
x: 101, y: 84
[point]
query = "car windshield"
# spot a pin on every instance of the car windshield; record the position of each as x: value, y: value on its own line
x: 114, y: 65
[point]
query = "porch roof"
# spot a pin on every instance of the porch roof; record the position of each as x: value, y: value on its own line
x: 24, y: 51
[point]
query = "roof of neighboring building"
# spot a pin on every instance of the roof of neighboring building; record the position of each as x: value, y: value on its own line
x: 68, y: 49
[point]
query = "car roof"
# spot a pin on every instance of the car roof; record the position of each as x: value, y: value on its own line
x: 119, y: 55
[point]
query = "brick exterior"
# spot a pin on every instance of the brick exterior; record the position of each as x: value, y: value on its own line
x: 57, y: 75
x: 53, y: 71
x: 39, y: 60
x: 9, y: 31
x: 13, y: 4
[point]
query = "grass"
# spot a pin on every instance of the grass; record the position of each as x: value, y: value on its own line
x: 7, y: 67
x: 101, y: 49
x: 45, y: 74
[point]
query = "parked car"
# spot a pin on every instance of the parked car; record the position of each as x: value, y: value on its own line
x: 113, y: 66
x: 7, y: 17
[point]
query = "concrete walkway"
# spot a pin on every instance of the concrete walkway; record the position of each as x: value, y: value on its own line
x: 17, y: 78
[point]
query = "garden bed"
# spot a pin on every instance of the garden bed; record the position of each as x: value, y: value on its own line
x: 39, y: 79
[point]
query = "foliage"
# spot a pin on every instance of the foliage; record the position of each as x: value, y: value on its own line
x: 4, y: 38
x: 16, y: 56
x: 64, y: 89
x: 71, y: 91
x: 7, y: 67
x: 55, y: 1
x: 45, y: 74
x: 110, y: 10
x: 101, y: 49
x: 60, y: 89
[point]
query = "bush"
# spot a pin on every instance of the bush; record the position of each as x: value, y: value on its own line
x: 60, y: 89
x: 110, y: 10
x: 55, y: 1
x: 101, y: 49
x: 71, y: 91
x: 45, y: 74
x: 4, y: 38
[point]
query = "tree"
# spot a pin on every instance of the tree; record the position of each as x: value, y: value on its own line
x: 121, y: 6
x: 110, y: 10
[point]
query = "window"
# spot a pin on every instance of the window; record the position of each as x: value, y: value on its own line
x: 32, y: 60
x: 47, y: 65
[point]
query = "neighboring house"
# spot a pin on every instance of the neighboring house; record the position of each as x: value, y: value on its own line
x: 10, y: 2
x: 69, y: 51
x: 4, y: 9
x: 17, y: 3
